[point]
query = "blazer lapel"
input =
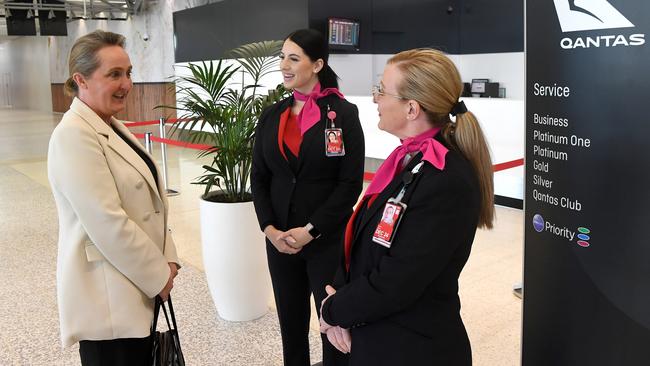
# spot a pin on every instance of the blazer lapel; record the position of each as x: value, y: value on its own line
x: 390, y: 191
x: 115, y: 142
x: 275, y: 132
x: 122, y: 148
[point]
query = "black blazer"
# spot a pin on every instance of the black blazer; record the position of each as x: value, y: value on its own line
x: 402, y: 303
x: 324, y: 189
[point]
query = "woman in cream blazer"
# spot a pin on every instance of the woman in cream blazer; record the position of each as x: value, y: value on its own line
x: 115, y: 252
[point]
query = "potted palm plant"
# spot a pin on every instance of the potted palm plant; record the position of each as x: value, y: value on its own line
x: 219, y: 104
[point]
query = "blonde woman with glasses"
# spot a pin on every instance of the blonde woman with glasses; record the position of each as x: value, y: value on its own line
x: 395, y: 300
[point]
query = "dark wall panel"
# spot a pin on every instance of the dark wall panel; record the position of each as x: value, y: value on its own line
x: 206, y: 32
x: 431, y: 23
x: 386, y: 26
x: 490, y: 26
x: 454, y: 26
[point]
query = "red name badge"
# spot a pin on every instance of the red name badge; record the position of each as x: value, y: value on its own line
x: 334, y: 142
x: 387, y: 227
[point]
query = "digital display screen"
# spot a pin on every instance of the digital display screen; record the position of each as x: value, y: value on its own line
x: 343, y: 32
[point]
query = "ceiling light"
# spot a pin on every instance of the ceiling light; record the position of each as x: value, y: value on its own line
x: 51, y: 15
x: 7, y: 13
x: 30, y: 15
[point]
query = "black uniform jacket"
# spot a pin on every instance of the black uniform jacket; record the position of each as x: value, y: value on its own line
x: 402, y: 303
x: 324, y: 189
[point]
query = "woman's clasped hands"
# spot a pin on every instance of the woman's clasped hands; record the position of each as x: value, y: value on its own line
x: 289, y: 242
x: 338, y: 337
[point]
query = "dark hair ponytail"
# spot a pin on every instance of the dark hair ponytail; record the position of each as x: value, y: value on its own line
x: 328, y: 78
x: 315, y: 46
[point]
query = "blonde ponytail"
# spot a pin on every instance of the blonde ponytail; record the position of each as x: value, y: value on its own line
x: 431, y: 78
x: 467, y: 136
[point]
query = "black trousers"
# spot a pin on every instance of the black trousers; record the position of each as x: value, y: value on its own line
x: 294, y: 278
x: 116, y: 352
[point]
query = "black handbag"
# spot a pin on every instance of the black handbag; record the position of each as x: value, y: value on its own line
x: 166, y: 347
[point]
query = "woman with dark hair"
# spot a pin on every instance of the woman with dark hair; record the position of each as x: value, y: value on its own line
x: 304, y: 194
x: 395, y: 300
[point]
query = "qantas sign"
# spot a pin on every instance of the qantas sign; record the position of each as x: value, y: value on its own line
x: 589, y: 15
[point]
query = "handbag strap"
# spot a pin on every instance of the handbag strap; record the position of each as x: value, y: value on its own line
x: 156, y: 312
x: 171, y: 312
x: 162, y: 305
x: 173, y: 316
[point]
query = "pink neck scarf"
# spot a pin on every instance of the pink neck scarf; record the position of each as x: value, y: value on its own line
x: 310, y: 113
x: 434, y: 152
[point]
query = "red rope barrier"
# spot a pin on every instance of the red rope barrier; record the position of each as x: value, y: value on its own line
x: 508, y: 165
x: 188, y: 145
x: 138, y: 124
x: 149, y: 123
x: 367, y: 176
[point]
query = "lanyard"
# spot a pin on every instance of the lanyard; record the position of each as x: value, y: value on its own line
x: 331, y: 117
x: 408, y: 179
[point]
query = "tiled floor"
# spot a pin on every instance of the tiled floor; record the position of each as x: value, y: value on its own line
x: 28, y: 233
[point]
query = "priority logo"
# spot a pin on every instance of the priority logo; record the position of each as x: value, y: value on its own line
x: 541, y: 225
x: 590, y: 15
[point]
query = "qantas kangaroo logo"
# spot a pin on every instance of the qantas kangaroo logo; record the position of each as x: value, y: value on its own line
x: 583, y: 15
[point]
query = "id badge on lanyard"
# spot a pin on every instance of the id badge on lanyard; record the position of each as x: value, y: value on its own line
x: 394, y: 210
x: 333, y: 137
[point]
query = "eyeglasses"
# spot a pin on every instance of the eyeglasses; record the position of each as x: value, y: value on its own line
x: 379, y: 90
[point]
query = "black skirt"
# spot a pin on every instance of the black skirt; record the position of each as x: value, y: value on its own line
x: 116, y: 352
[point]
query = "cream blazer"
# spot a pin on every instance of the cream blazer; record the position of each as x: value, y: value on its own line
x: 114, y: 244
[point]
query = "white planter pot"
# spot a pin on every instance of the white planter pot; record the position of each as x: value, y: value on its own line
x: 234, y: 257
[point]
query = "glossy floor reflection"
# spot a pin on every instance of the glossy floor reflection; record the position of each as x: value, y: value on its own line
x: 28, y: 258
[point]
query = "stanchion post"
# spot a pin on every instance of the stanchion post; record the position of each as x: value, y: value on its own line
x: 147, y: 142
x: 163, y: 149
x: 518, y: 290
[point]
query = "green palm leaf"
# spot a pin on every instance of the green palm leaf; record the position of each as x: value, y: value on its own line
x: 210, y: 111
x: 258, y: 58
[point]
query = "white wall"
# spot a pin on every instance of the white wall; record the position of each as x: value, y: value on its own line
x: 356, y: 73
x: 21, y: 64
x: 505, y: 68
x: 359, y: 72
